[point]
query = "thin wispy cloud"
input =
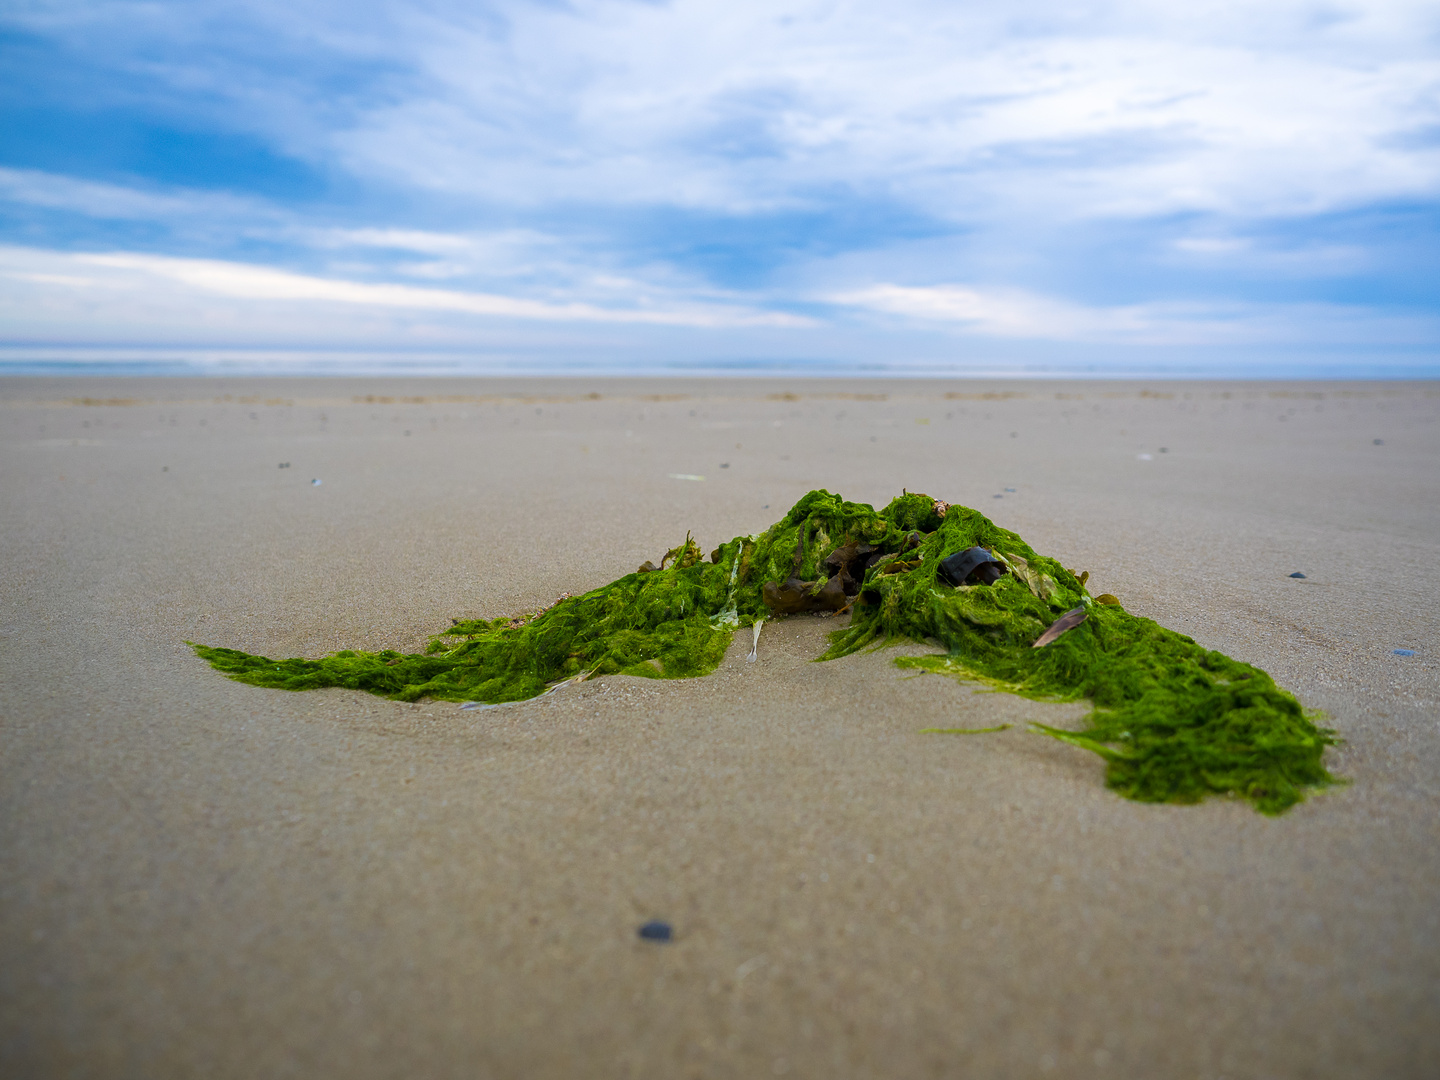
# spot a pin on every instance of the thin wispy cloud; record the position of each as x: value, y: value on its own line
x: 120, y: 202
x: 88, y: 272
x: 1217, y: 174
x: 1014, y: 313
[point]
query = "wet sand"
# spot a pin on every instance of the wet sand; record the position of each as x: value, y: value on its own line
x: 199, y: 877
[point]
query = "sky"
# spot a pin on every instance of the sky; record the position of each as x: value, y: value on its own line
x: 827, y: 187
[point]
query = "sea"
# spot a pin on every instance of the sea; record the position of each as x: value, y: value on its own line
x: 172, y: 361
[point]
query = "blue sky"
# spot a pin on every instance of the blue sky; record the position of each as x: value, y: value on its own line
x: 1208, y: 187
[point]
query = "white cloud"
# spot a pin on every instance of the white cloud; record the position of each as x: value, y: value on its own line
x: 151, y: 300
x: 1213, y: 245
x: 116, y: 202
x: 1136, y: 109
x: 86, y: 273
x: 1058, y: 139
x: 1013, y: 313
x: 1298, y: 257
x: 499, y: 254
x: 430, y: 243
x: 1121, y: 107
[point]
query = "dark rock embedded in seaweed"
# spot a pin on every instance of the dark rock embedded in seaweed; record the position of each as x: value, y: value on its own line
x: 1173, y: 721
x: 973, y: 566
x: 847, y: 565
x: 796, y: 597
x: 851, y: 559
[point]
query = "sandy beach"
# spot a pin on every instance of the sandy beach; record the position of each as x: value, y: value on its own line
x: 204, y: 878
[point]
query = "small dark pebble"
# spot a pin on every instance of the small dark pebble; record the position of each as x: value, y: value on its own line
x: 655, y: 930
x: 726, y: 465
x: 1297, y: 574
x: 1010, y: 489
x: 1403, y: 652
x: 999, y: 496
x: 1164, y: 449
x: 1379, y: 442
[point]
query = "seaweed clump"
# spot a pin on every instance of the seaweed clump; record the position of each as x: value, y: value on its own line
x: 1174, y: 722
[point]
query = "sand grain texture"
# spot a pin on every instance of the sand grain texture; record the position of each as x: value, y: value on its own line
x: 199, y: 877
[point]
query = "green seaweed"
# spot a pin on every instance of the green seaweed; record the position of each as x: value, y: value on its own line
x: 1173, y: 721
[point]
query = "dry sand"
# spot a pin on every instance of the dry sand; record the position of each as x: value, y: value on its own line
x: 202, y: 878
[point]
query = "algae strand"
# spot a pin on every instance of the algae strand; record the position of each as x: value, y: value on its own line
x: 1173, y: 721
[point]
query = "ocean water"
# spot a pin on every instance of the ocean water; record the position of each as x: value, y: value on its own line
x: 132, y: 361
